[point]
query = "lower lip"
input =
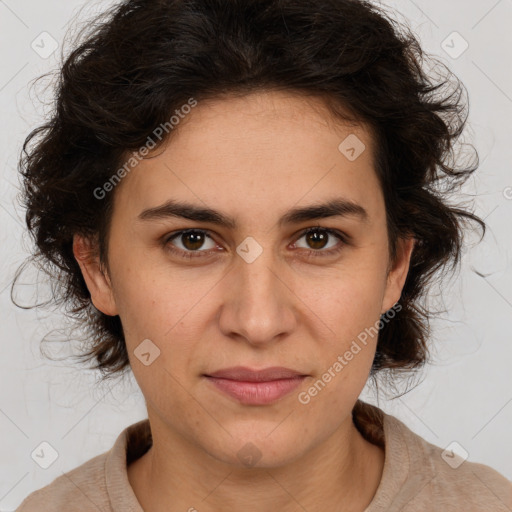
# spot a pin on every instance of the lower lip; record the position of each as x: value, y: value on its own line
x: 256, y: 393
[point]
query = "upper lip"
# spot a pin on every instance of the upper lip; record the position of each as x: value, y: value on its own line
x: 245, y: 374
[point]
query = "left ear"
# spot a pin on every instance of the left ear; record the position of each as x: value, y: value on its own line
x: 398, y: 273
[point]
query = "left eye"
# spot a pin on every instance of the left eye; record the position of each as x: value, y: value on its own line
x: 317, y: 238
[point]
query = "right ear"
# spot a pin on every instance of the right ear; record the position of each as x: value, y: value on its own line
x: 96, y: 277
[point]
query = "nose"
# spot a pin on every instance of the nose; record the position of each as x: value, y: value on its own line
x: 260, y: 306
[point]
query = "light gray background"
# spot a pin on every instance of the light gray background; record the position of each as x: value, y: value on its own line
x: 465, y: 397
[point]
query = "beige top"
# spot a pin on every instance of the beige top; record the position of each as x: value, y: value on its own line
x: 416, y: 478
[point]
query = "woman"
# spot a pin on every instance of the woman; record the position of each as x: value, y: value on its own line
x: 242, y: 201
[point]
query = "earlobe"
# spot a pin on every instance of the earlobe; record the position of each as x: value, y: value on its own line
x: 397, y: 275
x: 95, y: 277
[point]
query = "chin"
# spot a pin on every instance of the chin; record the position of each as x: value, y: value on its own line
x: 260, y: 450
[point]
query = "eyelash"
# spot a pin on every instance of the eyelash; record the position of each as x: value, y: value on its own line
x: 310, y: 252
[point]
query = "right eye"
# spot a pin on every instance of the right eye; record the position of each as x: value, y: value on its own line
x: 191, y: 241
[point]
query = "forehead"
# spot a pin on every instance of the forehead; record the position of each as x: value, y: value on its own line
x: 255, y: 153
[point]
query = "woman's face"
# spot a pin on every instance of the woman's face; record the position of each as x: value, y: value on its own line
x: 258, y: 293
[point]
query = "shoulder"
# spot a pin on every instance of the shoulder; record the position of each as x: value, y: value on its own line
x: 100, y: 483
x: 447, y: 481
x: 419, y: 476
x: 81, y: 489
x: 459, y: 482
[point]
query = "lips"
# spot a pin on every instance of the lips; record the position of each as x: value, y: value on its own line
x: 256, y: 387
x: 244, y: 374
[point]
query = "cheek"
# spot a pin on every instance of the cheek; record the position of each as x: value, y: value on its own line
x: 152, y: 299
x: 170, y: 312
x: 351, y: 299
x: 351, y: 311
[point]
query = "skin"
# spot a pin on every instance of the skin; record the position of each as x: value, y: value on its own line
x: 252, y: 158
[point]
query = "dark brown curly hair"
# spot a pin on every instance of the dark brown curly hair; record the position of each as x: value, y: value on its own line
x: 136, y: 64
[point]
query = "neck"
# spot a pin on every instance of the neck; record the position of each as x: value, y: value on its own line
x: 341, y: 473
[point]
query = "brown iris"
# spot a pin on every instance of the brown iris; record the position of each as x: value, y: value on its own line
x: 317, y: 239
x: 195, y: 238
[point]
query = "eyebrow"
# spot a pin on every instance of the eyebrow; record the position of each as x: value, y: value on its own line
x: 338, y: 207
